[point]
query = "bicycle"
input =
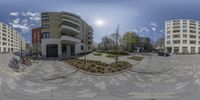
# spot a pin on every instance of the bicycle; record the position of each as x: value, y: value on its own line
x: 35, y: 58
x: 16, y: 65
x: 26, y: 61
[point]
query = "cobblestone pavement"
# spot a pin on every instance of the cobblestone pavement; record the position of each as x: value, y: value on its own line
x: 162, y: 78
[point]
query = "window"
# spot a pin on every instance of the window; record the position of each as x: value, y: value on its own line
x: 176, y: 31
x: 176, y: 23
x: 168, y: 37
x: 193, y: 36
x: 192, y: 27
x: 168, y: 32
x: 192, y: 31
x: 184, y: 50
x: 184, y: 30
x: 45, y: 15
x: 168, y: 42
x: 192, y: 24
x: 199, y: 42
x: 176, y: 36
x: 192, y: 42
x: 45, y: 20
x: 4, y: 39
x: 184, y: 23
x: 45, y: 34
x: 82, y: 47
x: 4, y: 43
x: 193, y: 21
x: 184, y: 26
x: 45, y: 26
x: 175, y: 27
x: 176, y: 41
x: 184, y: 41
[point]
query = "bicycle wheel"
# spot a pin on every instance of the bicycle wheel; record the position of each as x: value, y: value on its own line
x: 10, y: 64
x: 28, y: 63
x: 21, y: 67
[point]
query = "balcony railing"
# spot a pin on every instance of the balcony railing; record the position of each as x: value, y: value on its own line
x: 69, y: 30
x: 70, y: 21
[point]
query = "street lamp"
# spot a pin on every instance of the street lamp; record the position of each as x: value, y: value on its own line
x: 117, y: 34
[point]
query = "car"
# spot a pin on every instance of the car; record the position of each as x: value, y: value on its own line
x: 161, y: 53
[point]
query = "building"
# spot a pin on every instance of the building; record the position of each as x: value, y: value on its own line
x: 143, y: 44
x: 10, y: 39
x: 182, y: 36
x: 159, y: 44
x: 64, y: 34
x: 36, y: 40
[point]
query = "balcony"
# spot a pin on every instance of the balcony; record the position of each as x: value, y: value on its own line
x: 74, y: 19
x: 65, y: 38
x: 68, y: 30
x: 70, y: 21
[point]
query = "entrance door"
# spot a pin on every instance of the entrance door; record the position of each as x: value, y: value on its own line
x: 72, y: 50
x: 52, y: 50
x: 64, y: 49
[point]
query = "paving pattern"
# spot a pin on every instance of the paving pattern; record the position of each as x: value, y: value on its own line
x: 162, y: 78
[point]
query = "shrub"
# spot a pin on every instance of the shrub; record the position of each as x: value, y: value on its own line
x: 97, y: 54
x: 110, y: 55
x: 114, y: 52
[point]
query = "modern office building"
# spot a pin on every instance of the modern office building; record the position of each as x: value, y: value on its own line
x: 182, y: 36
x: 10, y: 39
x: 64, y: 34
x: 36, y: 40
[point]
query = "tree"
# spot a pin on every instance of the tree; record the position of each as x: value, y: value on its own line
x: 129, y: 41
x: 159, y: 44
x: 107, y: 43
x: 113, y: 37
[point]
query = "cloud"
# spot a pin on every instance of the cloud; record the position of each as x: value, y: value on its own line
x: 14, y: 13
x: 24, y: 21
x: 135, y: 30
x: 20, y: 24
x: 153, y: 29
x: 31, y: 15
x: 143, y: 29
x: 153, y: 24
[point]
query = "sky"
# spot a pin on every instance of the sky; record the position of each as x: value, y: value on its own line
x: 145, y: 17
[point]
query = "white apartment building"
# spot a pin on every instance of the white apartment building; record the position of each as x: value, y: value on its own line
x: 64, y: 34
x: 182, y: 36
x: 10, y: 39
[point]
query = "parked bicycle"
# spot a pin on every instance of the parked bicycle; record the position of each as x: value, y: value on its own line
x: 35, y: 58
x: 26, y: 61
x: 16, y: 65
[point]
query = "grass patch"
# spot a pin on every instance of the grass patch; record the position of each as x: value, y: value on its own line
x: 110, y: 56
x: 97, y: 54
x: 136, y: 58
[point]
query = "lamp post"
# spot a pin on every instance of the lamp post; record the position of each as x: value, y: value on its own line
x: 117, y: 34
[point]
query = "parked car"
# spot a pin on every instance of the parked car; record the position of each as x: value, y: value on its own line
x: 161, y: 53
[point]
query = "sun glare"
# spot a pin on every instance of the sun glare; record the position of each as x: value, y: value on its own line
x: 100, y: 22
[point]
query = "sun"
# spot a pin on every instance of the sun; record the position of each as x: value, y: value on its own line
x: 99, y: 22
